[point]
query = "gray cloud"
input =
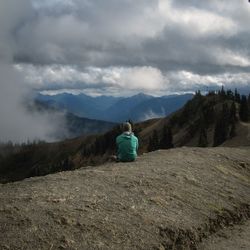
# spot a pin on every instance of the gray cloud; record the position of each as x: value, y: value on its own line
x: 157, y: 33
x: 165, y: 34
x: 17, y: 124
x: 12, y: 15
x: 205, y: 38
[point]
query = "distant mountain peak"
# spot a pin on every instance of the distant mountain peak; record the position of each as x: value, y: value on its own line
x: 141, y: 94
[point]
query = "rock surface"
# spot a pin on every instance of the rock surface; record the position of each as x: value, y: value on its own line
x: 174, y: 199
x: 237, y: 237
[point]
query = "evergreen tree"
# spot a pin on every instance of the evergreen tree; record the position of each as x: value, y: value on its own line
x: 233, y: 117
x: 230, y: 94
x: 150, y: 144
x: 226, y: 117
x: 99, y: 146
x: 211, y: 93
x: 198, y: 93
x: 244, y: 110
x: 232, y: 132
x: 207, y: 114
x: 166, y: 141
x: 232, y: 120
x: 222, y: 126
x: 248, y: 101
x: 222, y: 92
x: 236, y: 96
x: 153, y: 142
x: 219, y: 132
x: 203, y: 142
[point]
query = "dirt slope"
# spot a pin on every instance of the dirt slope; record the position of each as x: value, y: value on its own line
x: 165, y: 200
x: 242, y: 137
x: 237, y: 237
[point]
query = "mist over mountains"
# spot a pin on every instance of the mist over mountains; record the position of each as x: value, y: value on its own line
x: 139, y: 107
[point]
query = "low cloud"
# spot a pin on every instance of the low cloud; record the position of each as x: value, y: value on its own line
x: 71, y: 77
x: 17, y: 123
x: 126, y: 80
x: 151, y: 115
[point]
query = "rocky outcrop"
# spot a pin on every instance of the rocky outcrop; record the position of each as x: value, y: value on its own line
x: 170, y: 199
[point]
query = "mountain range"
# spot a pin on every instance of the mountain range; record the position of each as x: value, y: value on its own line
x: 204, y: 121
x: 139, y: 107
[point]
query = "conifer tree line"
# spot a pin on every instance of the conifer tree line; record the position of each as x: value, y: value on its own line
x: 106, y: 142
x: 225, y: 121
x: 225, y: 126
x: 102, y: 143
x: 164, y: 142
x: 242, y: 100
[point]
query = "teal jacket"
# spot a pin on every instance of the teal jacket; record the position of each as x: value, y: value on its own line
x: 127, y: 145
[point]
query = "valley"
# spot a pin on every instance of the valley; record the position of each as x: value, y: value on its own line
x: 116, y: 109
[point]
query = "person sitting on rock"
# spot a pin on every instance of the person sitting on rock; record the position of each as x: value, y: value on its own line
x: 127, y: 144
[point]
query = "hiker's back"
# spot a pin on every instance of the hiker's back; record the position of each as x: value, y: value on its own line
x: 127, y: 145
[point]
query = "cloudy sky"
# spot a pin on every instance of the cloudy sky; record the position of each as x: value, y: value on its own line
x: 119, y: 47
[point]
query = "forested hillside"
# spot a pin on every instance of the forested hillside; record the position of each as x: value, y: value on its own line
x: 219, y: 118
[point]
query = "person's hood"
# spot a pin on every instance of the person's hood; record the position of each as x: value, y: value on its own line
x: 127, y: 134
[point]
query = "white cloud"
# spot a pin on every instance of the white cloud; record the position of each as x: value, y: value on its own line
x: 124, y: 80
x: 151, y: 115
x: 229, y: 57
x: 144, y: 78
x: 184, y: 80
x: 58, y: 76
x: 17, y: 123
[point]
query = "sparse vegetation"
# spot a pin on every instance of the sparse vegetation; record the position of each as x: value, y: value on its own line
x: 153, y: 143
x: 166, y: 140
x: 244, y: 109
x: 204, y: 121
